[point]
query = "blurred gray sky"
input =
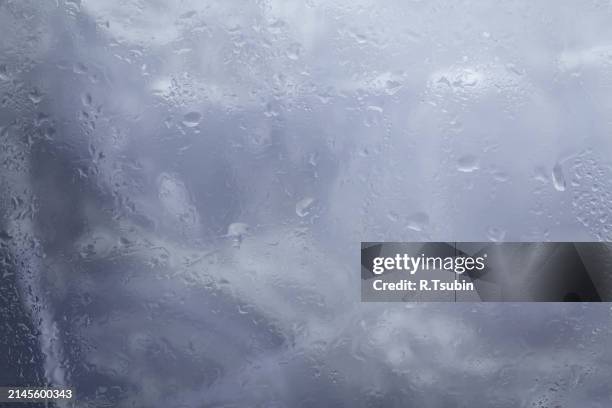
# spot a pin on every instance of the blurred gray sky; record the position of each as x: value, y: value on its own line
x: 186, y: 184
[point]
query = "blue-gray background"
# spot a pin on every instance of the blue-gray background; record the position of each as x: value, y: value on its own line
x: 185, y: 186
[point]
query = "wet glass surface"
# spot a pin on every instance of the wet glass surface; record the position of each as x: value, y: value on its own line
x: 185, y: 186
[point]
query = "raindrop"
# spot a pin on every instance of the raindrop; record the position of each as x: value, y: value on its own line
x: 392, y: 86
x: 540, y: 174
x: 303, y: 206
x: 294, y: 51
x: 392, y: 216
x: 188, y: 14
x: 467, y: 78
x: 192, y: 119
x: 5, y: 236
x: 558, y: 178
x: 97, y: 246
x: 496, y: 234
x: 417, y: 221
x: 312, y: 160
x: 176, y: 199
x: 35, y: 96
x: 86, y: 99
x: 237, y: 229
x: 75, y: 3
x: 500, y: 175
x: 272, y: 110
x: 277, y: 24
x: 4, y: 75
x: 514, y: 69
x: 468, y: 163
x: 79, y: 68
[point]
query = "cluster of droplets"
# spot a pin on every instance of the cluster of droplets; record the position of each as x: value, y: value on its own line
x: 591, y: 183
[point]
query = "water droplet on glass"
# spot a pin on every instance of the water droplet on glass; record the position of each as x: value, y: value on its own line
x: 192, y: 119
x: 392, y: 86
x: 4, y: 75
x: 5, y: 236
x: 188, y: 14
x: 500, y: 175
x: 237, y: 231
x: 294, y: 51
x: 468, y: 163
x: 74, y: 3
x: 79, y: 68
x: 496, y: 234
x: 392, y: 216
x: 176, y: 199
x: 272, y: 110
x: 35, y: 96
x: 558, y: 178
x: 417, y: 221
x: 541, y: 175
x: 86, y: 99
x: 467, y: 78
x: 303, y: 206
